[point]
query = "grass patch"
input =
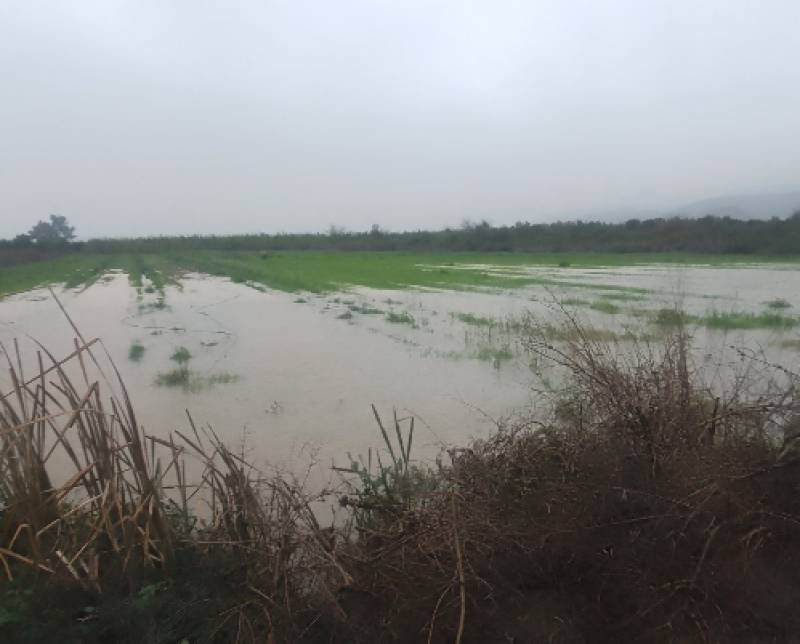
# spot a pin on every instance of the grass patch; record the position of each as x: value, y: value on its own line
x: 222, y: 378
x: 181, y: 355
x: 401, y: 318
x: 347, y: 315
x: 622, y: 297
x: 495, y: 355
x: 778, y: 304
x: 474, y: 320
x: 736, y: 320
x: 604, y: 306
x: 178, y: 377
x: 136, y: 352
x: 726, y: 320
x: 671, y: 317
x: 574, y: 301
x: 322, y: 272
x: 363, y: 309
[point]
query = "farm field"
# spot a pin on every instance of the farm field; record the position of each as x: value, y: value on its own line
x: 284, y: 353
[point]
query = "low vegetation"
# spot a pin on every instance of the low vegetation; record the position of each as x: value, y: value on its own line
x: 604, y: 306
x: 136, y: 352
x: 778, y: 303
x: 325, y: 272
x: 401, y: 318
x: 475, y: 320
x: 726, y: 320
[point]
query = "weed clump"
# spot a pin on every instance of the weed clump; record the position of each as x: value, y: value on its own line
x: 181, y: 355
x: 136, y: 352
x: 605, y: 306
x: 364, y: 309
x: 778, y: 303
x: 475, y: 320
x: 178, y: 377
x: 671, y: 317
x: 736, y: 320
x: 401, y: 318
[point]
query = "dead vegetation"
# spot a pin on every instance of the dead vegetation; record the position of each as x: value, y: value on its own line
x: 641, y: 505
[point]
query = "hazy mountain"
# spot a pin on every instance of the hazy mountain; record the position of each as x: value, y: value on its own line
x: 745, y: 206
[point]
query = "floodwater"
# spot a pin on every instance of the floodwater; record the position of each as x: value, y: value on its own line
x: 292, y: 377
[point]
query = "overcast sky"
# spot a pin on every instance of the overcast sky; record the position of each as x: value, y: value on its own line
x: 158, y: 117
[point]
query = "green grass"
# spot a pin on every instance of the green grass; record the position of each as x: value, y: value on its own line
x: 401, y: 318
x: 778, y: 303
x: 323, y: 272
x: 574, y: 301
x: 622, y: 297
x: 495, y: 355
x: 726, y: 320
x: 191, y: 382
x: 363, y: 309
x: 136, y: 352
x: 222, y: 378
x: 181, y: 355
x: 670, y: 317
x: 178, y: 377
x: 736, y: 320
x: 475, y: 320
x: 605, y: 306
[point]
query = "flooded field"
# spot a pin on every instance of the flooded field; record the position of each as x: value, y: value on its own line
x: 291, y: 377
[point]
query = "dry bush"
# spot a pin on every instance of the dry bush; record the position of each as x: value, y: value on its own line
x: 644, y: 506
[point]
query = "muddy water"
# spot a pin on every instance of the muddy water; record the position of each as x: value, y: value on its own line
x: 300, y: 372
x: 304, y: 379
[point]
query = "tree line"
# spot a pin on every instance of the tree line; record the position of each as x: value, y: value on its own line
x: 708, y: 234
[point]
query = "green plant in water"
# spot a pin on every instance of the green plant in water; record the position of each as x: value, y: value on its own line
x: 671, y: 317
x: 475, y: 320
x: 179, y: 377
x: 401, y: 318
x: 385, y: 485
x: 181, y: 355
x: 495, y: 355
x: 605, y: 307
x: 365, y: 310
x: 574, y: 301
x: 778, y: 303
x: 222, y: 378
x: 622, y: 297
x: 737, y: 320
x: 136, y: 352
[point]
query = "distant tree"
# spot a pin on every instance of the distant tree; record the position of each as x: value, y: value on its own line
x: 22, y: 241
x: 56, y: 231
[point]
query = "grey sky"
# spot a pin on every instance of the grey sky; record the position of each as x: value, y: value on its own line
x: 158, y: 117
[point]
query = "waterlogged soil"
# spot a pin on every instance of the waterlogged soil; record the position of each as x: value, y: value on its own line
x: 291, y: 377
